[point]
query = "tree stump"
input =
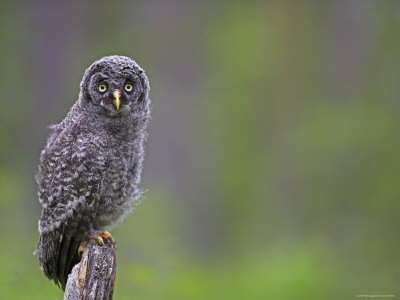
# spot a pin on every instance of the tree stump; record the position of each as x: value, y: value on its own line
x: 93, y: 278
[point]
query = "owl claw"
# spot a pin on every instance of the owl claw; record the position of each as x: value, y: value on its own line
x: 107, y: 236
x: 81, y: 247
x: 97, y: 235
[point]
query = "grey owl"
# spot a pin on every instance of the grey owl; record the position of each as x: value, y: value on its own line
x: 91, y: 166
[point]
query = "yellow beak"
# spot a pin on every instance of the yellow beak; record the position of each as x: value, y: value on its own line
x: 117, y: 101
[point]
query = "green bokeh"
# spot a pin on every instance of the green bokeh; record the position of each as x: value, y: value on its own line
x: 273, y: 154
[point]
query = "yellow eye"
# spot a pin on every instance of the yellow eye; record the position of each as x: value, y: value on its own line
x: 128, y: 87
x: 102, y: 87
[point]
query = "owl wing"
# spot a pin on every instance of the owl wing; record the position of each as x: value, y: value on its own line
x: 69, y: 180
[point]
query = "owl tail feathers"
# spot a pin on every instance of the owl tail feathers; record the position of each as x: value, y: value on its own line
x: 58, y: 253
x: 48, y: 247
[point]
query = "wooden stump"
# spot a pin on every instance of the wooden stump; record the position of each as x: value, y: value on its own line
x: 93, y: 278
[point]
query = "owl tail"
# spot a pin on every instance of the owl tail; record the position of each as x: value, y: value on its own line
x: 58, y: 253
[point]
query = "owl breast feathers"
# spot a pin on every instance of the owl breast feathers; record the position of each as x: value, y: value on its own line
x: 91, y: 166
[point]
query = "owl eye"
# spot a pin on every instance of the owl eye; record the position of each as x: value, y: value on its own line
x: 102, y: 87
x: 128, y: 87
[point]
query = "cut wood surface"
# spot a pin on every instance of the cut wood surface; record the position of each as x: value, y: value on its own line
x: 93, y: 278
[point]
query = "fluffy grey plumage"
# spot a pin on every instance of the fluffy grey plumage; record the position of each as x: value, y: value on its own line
x: 90, y: 169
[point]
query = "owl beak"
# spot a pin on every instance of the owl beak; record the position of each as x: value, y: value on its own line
x: 117, y: 95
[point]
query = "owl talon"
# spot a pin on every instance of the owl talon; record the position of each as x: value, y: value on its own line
x: 107, y: 236
x: 99, y: 236
x: 81, y: 247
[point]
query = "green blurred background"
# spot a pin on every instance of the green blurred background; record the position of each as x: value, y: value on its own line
x: 273, y: 158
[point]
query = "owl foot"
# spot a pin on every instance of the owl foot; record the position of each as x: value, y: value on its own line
x: 97, y: 235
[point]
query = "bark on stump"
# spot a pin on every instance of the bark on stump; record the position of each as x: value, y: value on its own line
x: 93, y: 278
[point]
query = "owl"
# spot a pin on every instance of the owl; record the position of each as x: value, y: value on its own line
x: 90, y: 169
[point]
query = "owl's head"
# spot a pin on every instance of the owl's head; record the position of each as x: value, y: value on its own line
x: 116, y: 86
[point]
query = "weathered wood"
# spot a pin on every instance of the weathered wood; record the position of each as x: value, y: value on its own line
x: 93, y: 278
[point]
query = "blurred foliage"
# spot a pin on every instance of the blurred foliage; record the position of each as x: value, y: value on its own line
x: 273, y: 153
